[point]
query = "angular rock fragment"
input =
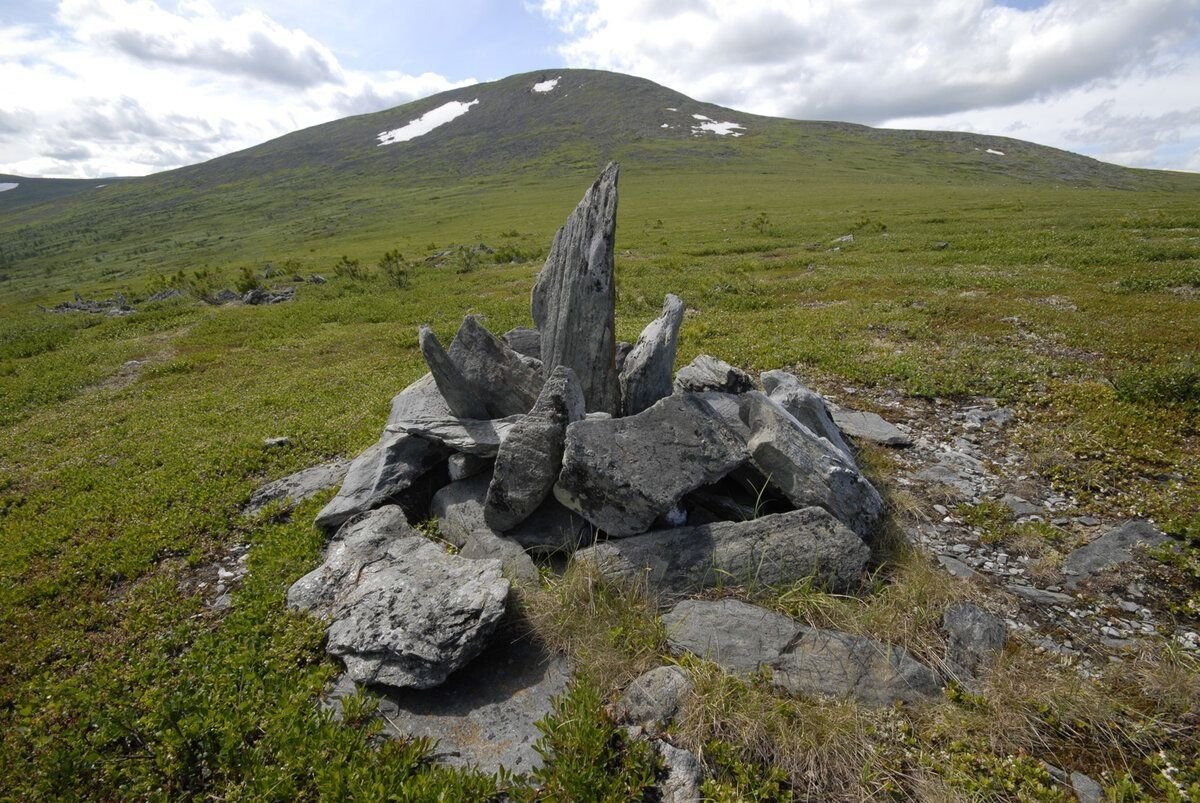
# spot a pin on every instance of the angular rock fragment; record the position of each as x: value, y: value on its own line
x: 515, y: 562
x: 421, y: 399
x: 379, y: 474
x: 530, y: 457
x: 645, y: 375
x: 478, y: 437
x: 805, y: 406
x: 623, y: 473
x: 709, y: 373
x: 552, y: 528
x: 623, y: 349
x: 455, y: 388
x: 1113, y: 548
x: 684, y: 775
x: 654, y: 697
x: 974, y: 638
x: 575, y: 296
x: 869, y: 427
x: 526, y: 342
x: 807, y: 468
x: 737, y: 635
x: 497, y: 374
x: 297, y: 487
x: 402, y: 611
x: 461, y: 465
x: 835, y: 664
x: 781, y: 548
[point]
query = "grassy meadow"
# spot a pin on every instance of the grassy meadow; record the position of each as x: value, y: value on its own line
x: 121, y: 483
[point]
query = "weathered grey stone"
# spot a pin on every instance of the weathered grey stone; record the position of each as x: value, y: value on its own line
x: 807, y: 468
x: 974, y: 638
x: 575, y: 296
x: 869, y: 427
x: 402, y: 611
x: 781, y: 548
x: 297, y: 487
x: 1040, y: 596
x: 421, y: 399
x: 379, y: 474
x: 709, y: 373
x: 484, y: 715
x: 684, y: 775
x: 654, y: 697
x: 957, y: 568
x: 529, y: 459
x: 527, y: 342
x: 552, y: 528
x: 481, y: 438
x: 516, y: 563
x: 623, y: 349
x: 805, y: 406
x: 453, y: 386
x: 506, y: 383
x: 835, y: 664
x: 645, y: 375
x: 461, y: 465
x: 1020, y: 507
x: 738, y: 636
x: 1112, y: 549
x: 623, y: 473
x: 1086, y: 788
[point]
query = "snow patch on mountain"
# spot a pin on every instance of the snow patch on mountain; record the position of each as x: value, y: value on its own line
x: 8, y: 185
x: 546, y: 86
x: 714, y: 127
x: 995, y: 152
x: 426, y: 122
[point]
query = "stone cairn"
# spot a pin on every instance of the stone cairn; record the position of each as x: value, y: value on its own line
x: 560, y: 440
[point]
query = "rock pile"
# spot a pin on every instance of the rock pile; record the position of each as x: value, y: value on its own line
x: 546, y: 440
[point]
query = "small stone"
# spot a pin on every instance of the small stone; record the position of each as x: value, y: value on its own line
x: 1086, y: 789
x: 1110, y: 550
x: 974, y: 637
x: 684, y: 775
x: 1040, y: 597
x: 1018, y: 506
x: 869, y: 427
x: 297, y: 487
x: 461, y: 465
x: 957, y: 568
x: 277, y: 443
x: 654, y: 697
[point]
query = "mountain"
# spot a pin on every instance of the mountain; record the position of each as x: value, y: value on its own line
x: 339, y: 181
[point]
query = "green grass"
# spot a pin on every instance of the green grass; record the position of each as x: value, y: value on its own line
x: 117, y: 485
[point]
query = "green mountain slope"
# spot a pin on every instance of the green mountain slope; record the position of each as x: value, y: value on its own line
x: 318, y: 190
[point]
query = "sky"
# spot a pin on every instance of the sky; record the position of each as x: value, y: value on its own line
x: 92, y: 88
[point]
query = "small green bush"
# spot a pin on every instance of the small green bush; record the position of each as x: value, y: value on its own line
x: 394, y: 268
x: 348, y: 268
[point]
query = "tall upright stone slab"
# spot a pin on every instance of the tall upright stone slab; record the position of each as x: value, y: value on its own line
x: 646, y: 372
x: 575, y: 297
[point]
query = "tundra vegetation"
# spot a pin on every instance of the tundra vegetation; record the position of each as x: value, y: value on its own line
x: 131, y: 444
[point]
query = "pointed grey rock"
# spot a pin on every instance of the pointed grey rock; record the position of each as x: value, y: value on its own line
x: 646, y: 372
x: 478, y: 437
x: 807, y: 468
x: 623, y: 473
x: 551, y: 529
x: 530, y: 457
x: 781, y: 548
x: 574, y: 298
x: 379, y: 474
x: 402, y: 611
x: 498, y: 375
x: 709, y: 373
x: 805, y: 406
x: 454, y: 387
x: 421, y: 399
x: 527, y: 342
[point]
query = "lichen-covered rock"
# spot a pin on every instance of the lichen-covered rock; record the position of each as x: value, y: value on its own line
x: 574, y: 298
x: 781, y: 548
x: 623, y: 473
x: 709, y: 373
x: 645, y: 374
x: 653, y: 698
x: 402, y: 611
x: 530, y: 457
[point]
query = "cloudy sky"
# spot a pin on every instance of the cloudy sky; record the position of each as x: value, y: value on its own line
x: 128, y: 87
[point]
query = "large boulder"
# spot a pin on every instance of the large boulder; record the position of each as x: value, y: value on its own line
x: 458, y: 392
x: 807, y: 468
x: 709, y: 373
x: 623, y: 473
x: 805, y: 406
x: 402, y: 611
x: 458, y: 508
x: 781, y: 548
x: 507, y: 383
x: 646, y: 371
x: 530, y: 457
x: 574, y: 298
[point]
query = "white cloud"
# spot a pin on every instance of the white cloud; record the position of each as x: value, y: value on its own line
x: 127, y: 87
x: 944, y: 63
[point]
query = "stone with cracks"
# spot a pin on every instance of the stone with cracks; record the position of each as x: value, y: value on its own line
x: 402, y: 611
x: 738, y: 636
x: 552, y: 528
x: 478, y: 437
x: 575, y: 296
x: 530, y: 457
x: 654, y: 697
x: 453, y: 385
x: 807, y: 468
x: 805, y: 406
x: 709, y: 373
x: 1112, y: 549
x: 974, y: 638
x: 498, y: 375
x: 781, y: 548
x: 835, y: 664
x: 379, y: 474
x: 623, y: 473
x: 645, y: 374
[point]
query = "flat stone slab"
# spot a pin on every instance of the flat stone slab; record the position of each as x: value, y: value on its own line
x: 780, y: 548
x: 484, y: 715
x: 1112, y: 549
x: 382, y: 472
x: 297, y: 487
x: 479, y: 437
x: 737, y: 635
x: 869, y: 427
